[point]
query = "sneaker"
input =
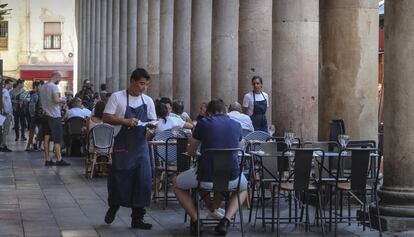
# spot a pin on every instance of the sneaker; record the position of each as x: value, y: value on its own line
x: 62, y: 162
x: 24, y: 139
x: 193, y: 228
x: 5, y: 149
x: 49, y: 163
x: 217, y: 214
x: 110, y: 214
x: 140, y: 224
x: 223, y: 226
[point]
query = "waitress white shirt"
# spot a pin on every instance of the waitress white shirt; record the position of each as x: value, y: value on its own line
x: 116, y: 105
x: 248, y: 101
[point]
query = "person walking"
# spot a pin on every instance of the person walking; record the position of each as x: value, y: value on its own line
x: 129, y: 179
x: 7, y: 113
x: 18, y: 95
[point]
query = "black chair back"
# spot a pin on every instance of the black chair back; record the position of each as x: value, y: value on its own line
x: 270, y: 161
x: 359, y: 168
x: 362, y: 143
x: 74, y: 126
x: 336, y: 127
x: 222, y: 167
x: 183, y: 160
x: 302, y: 166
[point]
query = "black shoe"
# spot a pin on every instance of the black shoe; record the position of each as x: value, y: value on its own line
x: 193, y: 228
x: 24, y: 139
x: 110, y: 214
x: 62, y: 162
x: 6, y: 149
x: 140, y: 224
x: 35, y: 147
x: 49, y: 163
x: 17, y: 138
x: 223, y: 226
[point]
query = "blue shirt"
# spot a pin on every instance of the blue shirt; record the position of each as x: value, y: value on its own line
x: 217, y: 131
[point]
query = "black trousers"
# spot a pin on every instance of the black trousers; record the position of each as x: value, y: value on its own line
x: 19, y: 123
x: 137, y: 212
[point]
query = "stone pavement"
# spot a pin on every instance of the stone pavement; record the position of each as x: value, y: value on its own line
x: 58, y: 201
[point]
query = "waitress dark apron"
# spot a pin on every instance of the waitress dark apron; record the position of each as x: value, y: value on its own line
x: 259, y: 114
x: 129, y: 180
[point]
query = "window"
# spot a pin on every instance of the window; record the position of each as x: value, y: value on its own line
x: 4, y: 35
x: 52, y: 35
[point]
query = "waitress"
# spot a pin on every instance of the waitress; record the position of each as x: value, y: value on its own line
x: 255, y: 104
x: 129, y: 180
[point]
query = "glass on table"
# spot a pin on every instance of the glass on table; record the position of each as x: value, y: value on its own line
x: 289, y: 137
x: 271, y: 129
x: 343, y: 140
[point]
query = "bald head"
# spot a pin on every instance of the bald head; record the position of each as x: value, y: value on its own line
x: 235, y: 106
x: 55, y: 77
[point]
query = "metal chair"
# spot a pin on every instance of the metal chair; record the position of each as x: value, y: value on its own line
x: 99, y: 145
x: 245, y: 132
x: 299, y: 183
x: 74, y: 130
x: 357, y: 184
x: 222, y: 169
x: 256, y: 136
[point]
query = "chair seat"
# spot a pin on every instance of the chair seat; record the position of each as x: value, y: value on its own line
x: 347, y: 186
x: 290, y: 186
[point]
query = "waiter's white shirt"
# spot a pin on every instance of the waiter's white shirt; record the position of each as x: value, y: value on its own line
x: 116, y: 105
x: 248, y: 100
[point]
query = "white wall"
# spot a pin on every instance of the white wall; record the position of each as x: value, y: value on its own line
x: 26, y: 33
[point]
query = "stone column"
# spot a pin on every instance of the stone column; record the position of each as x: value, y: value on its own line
x: 92, y: 44
x: 123, y: 62
x: 201, y: 27
x: 182, y: 52
x: 103, y: 56
x: 255, y: 44
x: 97, y: 32
x: 115, y: 44
x: 349, y: 67
x: 397, y: 193
x: 142, y: 43
x: 166, y: 47
x: 83, y: 44
x: 132, y: 36
x: 295, y: 67
x: 225, y: 50
x: 79, y: 37
x: 154, y: 47
x: 109, y: 33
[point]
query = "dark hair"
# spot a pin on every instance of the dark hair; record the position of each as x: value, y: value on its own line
x: 35, y: 84
x: 139, y: 73
x: 99, y: 109
x: 257, y: 78
x: 216, y: 106
x: 178, y: 107
x: 19, y: 81
x: 161, y: 110
x: 103, y: 87
x: 41, y: 82
x: 108, y: 94
x: 7, y: 81
x: 165, y: 100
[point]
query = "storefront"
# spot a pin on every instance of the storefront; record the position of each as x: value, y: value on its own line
x: 30, y: 73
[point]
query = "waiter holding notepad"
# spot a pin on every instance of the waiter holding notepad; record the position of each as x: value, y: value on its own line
x: 129, y: 180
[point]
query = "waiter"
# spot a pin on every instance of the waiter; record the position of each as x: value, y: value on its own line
x: 129, y: 180
x: 255, y: 104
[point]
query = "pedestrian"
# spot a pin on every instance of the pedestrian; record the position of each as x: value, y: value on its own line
x: 18, y: 95
x: 7, y: 112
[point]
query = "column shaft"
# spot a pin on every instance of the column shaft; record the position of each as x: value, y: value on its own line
x: 255, y: 44
x: 109, y: 33
x: 295, y: 67
x: 97, y: 76
x: 201, y: 27
x: 225, y: 49
x: 142, y: 43
x: 115, y: 44
x: 166, y: 47
x: 181, y: 55
x: 84, y: 59
x: 349, y: 67
x: 103, y: 56
x: 154, y: 47
x: 132, y: 35
x: 123, y: 62
x: 92, y: 42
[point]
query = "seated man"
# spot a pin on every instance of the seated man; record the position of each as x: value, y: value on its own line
x: 235, y: 113
x: 215, y: 131
x: 77, y: 109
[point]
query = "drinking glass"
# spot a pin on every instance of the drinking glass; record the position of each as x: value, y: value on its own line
x: 271, y: 129
x: 343, y: 141
x: 289, y: 137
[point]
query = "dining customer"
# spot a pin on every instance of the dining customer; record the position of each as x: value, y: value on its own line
x: 235, y: 113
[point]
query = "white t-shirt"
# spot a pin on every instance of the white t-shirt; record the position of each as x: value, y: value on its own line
x: 244, y: 120
x: 184, y: 116
x: 7, y: 102
x: 78, y: 112
x: 248, y: 100
x: 49, y: 107
x: 172, y: 122
x: 116, y: 105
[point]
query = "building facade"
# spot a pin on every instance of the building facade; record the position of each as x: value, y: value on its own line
x: 37, y: 38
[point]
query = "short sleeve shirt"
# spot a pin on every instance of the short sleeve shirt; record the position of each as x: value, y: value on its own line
x: 217, y: 131
x: 172, y: 122
x: 116, y: 105
x: 50, y: 108
x: 7, y: 102
x: 248, y: 100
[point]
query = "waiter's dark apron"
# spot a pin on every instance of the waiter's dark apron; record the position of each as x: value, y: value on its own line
x: 259, y: 114
x: 129, y: 180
